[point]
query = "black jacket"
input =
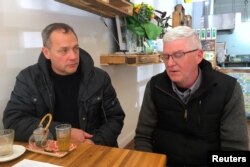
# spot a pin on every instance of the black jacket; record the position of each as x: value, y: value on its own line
x: 213, y: 119
x: 33, y: 96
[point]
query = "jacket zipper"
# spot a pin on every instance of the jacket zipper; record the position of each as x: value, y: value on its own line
x: 50, y: 95
x: 84, y: 102
x: 184, y: 107
x: 185, y: 114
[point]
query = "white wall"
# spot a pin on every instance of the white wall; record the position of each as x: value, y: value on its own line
x: 130, y: 82
x: 21, y: 22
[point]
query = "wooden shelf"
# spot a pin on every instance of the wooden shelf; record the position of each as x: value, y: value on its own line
x: 129, y: 59
x: 105, y: 8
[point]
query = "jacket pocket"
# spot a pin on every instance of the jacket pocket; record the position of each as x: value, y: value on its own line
x: 94, y: 112
x: 40, y: 107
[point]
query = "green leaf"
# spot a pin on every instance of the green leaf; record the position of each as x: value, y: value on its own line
x: 152, y: 31
x: 137, y: 29
x: 131, y: 20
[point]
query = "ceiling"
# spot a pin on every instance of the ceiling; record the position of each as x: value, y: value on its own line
x: 232, y: 6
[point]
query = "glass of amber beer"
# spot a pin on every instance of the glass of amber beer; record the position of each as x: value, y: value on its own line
x: 63, y: 133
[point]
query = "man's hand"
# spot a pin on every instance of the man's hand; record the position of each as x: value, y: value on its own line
x: 79, y: 136
x: 88, y: 141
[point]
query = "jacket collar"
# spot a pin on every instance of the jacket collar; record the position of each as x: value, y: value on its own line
x: 207, y: 74
x: 207, y: 81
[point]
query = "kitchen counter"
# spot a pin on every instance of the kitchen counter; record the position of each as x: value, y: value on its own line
x: 234, y: 69
x: 237, y: 64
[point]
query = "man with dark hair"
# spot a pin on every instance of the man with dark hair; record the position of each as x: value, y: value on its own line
x: 66, y: 84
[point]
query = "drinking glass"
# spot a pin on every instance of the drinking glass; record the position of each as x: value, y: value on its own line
x: 6, y: 141
x: 63, y: 134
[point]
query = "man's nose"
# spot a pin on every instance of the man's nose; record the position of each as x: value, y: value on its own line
x: 73, y: 54
x: 170, y: 61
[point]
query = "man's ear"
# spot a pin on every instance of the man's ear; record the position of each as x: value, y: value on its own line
x: 200, y: 55
x: 45, y: 51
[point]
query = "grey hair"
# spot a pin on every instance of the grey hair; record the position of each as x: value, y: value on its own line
x: 52, y: 27
x: 183, y: 32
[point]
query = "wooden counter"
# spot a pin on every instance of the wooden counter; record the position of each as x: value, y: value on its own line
x: 86, y: 155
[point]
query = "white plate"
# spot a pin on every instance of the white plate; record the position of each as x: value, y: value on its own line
x: 18, y: 150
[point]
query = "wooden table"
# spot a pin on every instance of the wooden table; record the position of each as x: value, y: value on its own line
x: 86, y: 155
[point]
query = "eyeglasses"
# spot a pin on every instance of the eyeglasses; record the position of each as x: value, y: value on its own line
x: 177, y: 55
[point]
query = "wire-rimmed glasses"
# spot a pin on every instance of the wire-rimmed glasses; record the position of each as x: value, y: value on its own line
x: 176, y: 55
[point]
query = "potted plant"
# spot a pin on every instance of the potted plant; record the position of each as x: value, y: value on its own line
x: 140, y: 22
x: 162, y: 21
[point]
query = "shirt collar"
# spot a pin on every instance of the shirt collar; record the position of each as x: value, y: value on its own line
x: 187, y: 93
